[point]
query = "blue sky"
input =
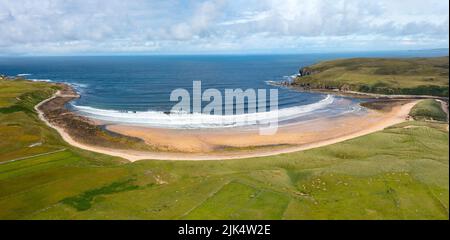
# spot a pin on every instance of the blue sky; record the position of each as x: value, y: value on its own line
x: 68, y: 27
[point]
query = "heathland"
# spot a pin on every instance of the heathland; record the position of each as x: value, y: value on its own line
x: 409, y: 76
x: 401, y: 172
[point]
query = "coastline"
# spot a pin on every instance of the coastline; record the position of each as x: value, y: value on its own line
x: 397, y: 114
x: 362, y: 95
x: 78, y: 128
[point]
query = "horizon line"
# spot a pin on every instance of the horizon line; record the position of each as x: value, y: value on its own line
x: 130, y: 54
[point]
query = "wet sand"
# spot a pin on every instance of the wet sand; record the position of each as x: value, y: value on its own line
x: 237, y: 143
x: 216, y: 140
x: 244, y: 143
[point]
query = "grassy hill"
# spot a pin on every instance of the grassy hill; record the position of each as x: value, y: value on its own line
x: 404, y: 174
x: 429, y: 110
x: 410, y: 76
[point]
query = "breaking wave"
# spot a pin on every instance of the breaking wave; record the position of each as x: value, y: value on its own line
x: 40, y: 80
x: 197, y: 120
x: 25, y: 75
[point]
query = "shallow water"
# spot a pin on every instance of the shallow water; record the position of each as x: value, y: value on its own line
x: 136, y: 90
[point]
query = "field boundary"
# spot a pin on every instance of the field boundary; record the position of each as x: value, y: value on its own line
x: 33, y: 156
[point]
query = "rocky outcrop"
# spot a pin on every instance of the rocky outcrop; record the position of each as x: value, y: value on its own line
x: 345, y: 88
x: 83, y: 129
x: 305, y: 71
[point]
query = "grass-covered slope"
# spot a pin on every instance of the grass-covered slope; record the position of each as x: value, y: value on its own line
x: 429, y: 110
x: 20, y: 127
x: 399, y: 173
x: 409, y: 76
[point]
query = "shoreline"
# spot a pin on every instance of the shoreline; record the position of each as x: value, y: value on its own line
x: 398, y: 115
x: 363, y: 95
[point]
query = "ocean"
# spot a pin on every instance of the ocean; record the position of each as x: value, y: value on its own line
x: 136, y: 89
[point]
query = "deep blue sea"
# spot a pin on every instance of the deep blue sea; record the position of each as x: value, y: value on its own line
x: 142, y: 84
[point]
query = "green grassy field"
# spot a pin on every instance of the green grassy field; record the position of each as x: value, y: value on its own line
x: 410, y: 76
x: 399, y: 173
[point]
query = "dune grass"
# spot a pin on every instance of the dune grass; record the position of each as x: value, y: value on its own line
x: 429, y: 110
x: 399, y: 173
x: 410, y: 76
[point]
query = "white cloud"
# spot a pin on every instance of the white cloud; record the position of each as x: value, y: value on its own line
x: 171, y: 26
x: 248, y: 17
x: 200, y: 21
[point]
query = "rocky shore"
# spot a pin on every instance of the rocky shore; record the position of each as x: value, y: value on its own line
x: 345, y: 90
x: 136, y: 143
x: 393, y: 78
x: 83, y: 129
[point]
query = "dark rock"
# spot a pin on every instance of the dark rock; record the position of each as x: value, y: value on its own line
x: 305, y: 72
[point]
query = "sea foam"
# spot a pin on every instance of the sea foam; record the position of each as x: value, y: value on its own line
x: 40, y: 80
x: 198, y: 120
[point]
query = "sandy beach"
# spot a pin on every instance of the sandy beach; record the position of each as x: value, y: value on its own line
x: 237, y: 143
x: 239, y: 139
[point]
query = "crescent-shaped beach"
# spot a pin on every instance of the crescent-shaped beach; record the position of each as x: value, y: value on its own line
x: 234, y: 143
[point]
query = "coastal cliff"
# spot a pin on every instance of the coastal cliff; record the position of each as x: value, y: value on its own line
x: 415, y: 76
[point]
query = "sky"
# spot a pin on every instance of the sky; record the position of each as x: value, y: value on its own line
x: 80, y: 27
